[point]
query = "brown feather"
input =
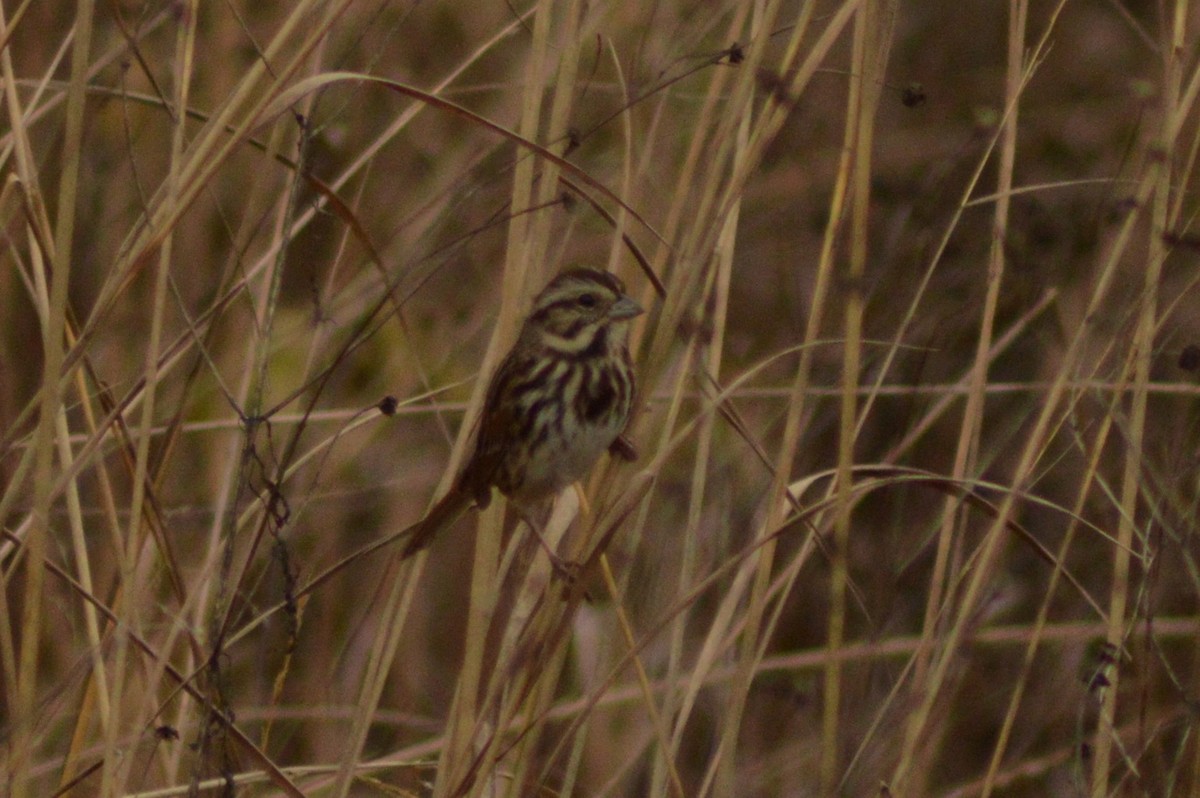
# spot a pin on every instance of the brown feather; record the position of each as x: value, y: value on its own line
x: 441, y: 517
x: 560, y: 398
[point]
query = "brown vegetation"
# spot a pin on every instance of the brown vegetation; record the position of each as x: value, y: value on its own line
x: 915, y: 504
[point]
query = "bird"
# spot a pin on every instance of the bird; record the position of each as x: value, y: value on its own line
x: 561, y: 397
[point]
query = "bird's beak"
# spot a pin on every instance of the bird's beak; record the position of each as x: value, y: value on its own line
x: 625, y: 308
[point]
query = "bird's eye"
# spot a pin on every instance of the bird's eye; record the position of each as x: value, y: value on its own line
x: 587, y: 301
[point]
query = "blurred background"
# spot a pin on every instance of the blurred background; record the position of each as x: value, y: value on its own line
x: 245, y: 246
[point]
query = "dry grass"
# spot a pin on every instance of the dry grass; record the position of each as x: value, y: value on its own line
x: 915, y: 511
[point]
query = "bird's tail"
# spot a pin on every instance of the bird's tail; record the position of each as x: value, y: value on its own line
x: 443, y: 514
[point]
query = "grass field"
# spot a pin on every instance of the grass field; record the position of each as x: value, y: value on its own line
x: 915, y: 508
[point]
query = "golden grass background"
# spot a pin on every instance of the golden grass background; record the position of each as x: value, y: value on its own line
x: 914, y: 513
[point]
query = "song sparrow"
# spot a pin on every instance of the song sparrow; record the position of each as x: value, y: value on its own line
x: 559, y: 399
